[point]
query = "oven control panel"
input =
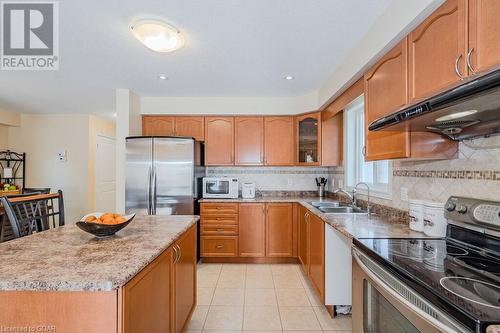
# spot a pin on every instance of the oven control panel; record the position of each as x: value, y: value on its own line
x: 473, y: 211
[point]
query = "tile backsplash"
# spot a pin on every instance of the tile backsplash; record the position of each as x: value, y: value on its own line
x: 280, y: 178
x: 475, y: 173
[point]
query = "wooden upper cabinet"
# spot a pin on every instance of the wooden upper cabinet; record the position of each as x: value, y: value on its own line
x: 484, y: 34
x: 279, y: 140
x: 158, y: 126
x: 252, y: 230
x: 249, y: 140
x: 332, y: 140
x: 191, y: 127
x: 308, y: 136
x: 438, y: 50
x: 386, y: 89
x: 279, y: 226
x: 219, y: 141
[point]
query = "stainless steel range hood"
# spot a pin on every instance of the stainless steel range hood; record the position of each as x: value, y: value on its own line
x: 469, y: 110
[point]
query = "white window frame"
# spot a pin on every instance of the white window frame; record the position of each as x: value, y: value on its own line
x: 354, y: 144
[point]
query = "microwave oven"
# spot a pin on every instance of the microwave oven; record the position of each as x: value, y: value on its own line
x: 220, y: 187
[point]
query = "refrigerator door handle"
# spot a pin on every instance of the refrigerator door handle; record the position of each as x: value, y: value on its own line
x: 149, y: 189
x: 154, y: 192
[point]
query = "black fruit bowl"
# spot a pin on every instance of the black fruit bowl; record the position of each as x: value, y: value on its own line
x: 103, y: 230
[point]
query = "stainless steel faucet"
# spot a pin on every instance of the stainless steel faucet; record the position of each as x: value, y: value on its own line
x: 354, y: 191
x: 347, y: 194
x: 352, y: 196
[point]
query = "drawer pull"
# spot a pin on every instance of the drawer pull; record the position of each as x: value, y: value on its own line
x: 219, y: 246
x: 218, y: 208
x: 218, y: 218
x: 219, y: 229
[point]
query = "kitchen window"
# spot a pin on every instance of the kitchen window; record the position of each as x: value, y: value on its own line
x: 375, y: 174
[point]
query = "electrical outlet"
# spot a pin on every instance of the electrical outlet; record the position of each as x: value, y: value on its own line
x: 289, y: 181
x: 341, y: 183
x: 62, y: 156
x: 404, y: 194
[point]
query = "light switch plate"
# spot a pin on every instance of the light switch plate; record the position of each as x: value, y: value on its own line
x: 404, y: 194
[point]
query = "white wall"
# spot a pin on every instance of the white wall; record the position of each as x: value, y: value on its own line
x: 42, y: 137
x: 128, y: 123
x: 4, y: 137
x: 229, y: 105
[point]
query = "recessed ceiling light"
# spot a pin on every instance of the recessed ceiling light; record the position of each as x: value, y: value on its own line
x: 289, y: 77
x: 157, y: 35
x: 162, y: 77
x: 456, y: 115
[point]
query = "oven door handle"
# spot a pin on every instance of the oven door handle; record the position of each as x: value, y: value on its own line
x: 439, y: 325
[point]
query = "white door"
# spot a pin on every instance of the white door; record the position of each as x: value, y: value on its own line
x: 105, y: 180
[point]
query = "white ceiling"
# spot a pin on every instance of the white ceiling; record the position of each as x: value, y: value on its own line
x: 234, y: 48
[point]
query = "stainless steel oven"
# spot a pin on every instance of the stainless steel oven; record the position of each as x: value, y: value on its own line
x: 383, y: 304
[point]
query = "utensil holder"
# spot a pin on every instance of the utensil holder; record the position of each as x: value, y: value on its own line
x: 321, y: 191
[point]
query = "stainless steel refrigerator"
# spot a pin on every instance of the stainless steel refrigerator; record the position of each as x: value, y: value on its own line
x: 163, y: 175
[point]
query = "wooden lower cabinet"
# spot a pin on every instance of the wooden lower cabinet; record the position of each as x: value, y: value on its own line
x: 316, y: 251
x: 184, y: 280
x: 303, y: 236
x: 219, y: 246
x: 279, y: 229
x: 147, y: 298
x: 252, y: 230
x: 162, y: 296
x: 263, y: 231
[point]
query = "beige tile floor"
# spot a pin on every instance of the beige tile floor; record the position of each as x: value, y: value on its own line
x: 264, y: 298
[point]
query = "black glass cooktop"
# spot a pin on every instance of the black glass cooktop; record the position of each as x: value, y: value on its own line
x: 462, y: 279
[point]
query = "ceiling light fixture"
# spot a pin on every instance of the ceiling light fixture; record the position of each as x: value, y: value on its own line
x: 289, y: 77
x: 157, y: 35
x: 162, y: 77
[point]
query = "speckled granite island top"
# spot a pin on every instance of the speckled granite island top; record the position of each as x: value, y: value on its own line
x: 351, y: 225
x: 69, y: 259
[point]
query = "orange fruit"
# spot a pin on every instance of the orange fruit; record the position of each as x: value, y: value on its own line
x: 106, y: 215
x: 120, y: 219
x: 108, y: 220
x: 91, y: 219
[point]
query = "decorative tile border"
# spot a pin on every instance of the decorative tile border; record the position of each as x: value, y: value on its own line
x: 450, y: 174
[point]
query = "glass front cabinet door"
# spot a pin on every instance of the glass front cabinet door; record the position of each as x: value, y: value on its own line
x: 309, y: 139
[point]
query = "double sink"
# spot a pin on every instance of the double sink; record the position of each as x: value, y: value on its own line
x: 334, y: 207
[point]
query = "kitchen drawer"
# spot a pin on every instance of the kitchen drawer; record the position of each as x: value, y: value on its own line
x: 219, y: 246
x: 219, y: 230
x: 219, y: 219
x: 217, y: 208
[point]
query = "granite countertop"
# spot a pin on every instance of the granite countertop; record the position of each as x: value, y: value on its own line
x: 69, y: 259
x: 351, y: 225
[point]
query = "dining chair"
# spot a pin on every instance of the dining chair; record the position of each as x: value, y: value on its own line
x: 34, y: 190
x: 6, y: 233
x: 28, y: 214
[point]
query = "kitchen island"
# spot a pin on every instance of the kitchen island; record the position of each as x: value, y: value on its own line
x: 143, y: 279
